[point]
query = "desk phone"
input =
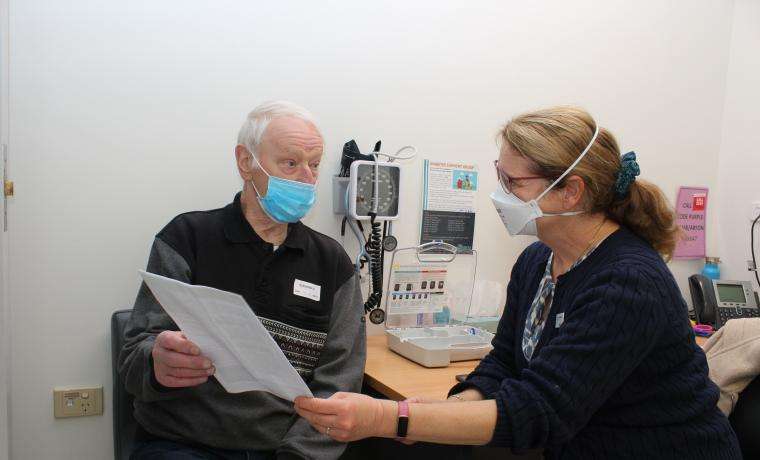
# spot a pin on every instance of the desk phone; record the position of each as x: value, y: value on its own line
x: 717, y: 301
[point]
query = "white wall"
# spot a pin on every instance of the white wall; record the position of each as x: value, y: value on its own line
x: 124, y: 114
x: 739, y: 173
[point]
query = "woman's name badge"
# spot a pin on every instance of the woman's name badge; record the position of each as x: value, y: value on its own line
x: 559, y: 320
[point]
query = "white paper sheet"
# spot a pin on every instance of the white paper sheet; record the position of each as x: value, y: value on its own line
x: 227, y: 331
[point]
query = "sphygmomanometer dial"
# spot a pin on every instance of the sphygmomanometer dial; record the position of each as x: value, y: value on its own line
x: 388, y: 186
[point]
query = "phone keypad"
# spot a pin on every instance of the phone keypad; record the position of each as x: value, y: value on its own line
x: 727, y: 313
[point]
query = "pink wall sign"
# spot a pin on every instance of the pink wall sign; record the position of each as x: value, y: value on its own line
x: 691, y: 216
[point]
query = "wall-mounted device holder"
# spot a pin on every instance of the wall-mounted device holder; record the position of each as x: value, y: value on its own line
x: 367, y: 189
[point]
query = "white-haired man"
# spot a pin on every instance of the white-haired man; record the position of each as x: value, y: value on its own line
x: 299, y: 282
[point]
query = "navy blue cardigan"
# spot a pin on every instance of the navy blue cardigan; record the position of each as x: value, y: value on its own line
x: 621, y: 377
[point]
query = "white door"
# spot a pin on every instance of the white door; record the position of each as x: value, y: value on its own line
x: 4, y: 332
x: 4, y: 312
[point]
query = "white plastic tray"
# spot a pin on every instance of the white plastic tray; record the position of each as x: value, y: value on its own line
x: 441, y: 345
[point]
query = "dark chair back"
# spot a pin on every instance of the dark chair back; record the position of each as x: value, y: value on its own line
x: 124, y: 424
x: 745, y: 419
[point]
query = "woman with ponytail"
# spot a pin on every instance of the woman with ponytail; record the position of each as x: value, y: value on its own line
x: 594, y: 356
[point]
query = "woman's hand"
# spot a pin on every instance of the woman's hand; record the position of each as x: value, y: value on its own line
x: 349, y: 416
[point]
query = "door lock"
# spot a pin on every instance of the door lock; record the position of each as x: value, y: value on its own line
x: 8, y: 188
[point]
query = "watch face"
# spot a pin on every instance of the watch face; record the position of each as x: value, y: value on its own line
x: 377, y: 316
x: 388, y: 187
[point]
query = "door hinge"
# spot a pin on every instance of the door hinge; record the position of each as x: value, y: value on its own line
x: 8, y: 188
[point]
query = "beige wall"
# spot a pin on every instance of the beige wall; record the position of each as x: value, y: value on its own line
x: 739, y: 174
x: 124, y: 114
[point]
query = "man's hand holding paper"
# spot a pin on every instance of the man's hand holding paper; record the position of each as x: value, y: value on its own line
x: 178, y: 362
x: 233, y: 341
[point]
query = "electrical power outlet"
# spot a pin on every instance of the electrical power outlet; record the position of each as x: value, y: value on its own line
x: 754, y: 210
x: 77, y: 402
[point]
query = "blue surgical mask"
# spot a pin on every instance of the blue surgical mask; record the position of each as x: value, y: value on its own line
x: 286, y: 200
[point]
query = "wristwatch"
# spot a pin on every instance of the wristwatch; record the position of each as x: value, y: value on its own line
x: 403, y: 419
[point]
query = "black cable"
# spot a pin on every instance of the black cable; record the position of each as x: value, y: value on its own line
x: 382, y: 251
x: 752, y: 247
x: 374, y: 250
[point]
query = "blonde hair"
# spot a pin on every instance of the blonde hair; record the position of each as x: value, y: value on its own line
x: 553, y: 138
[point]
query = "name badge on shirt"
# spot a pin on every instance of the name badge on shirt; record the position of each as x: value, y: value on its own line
x: 559, y: 320
x: 306, y: 289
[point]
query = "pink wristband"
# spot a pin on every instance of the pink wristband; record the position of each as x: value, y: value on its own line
x: 403, y: 409
x: 403, y: 419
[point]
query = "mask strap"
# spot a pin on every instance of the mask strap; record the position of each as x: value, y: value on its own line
x: 575, y: 163
x: 260, y: 167
x: 258, y: 163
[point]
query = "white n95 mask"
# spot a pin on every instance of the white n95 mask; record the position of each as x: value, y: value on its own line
x: 520, y: 217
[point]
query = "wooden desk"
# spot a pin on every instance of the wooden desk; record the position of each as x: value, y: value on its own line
x: 399, y: 378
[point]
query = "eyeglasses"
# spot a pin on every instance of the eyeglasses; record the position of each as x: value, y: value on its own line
x: 506, y: 181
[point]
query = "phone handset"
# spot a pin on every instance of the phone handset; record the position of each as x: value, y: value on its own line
x: 703, y: 298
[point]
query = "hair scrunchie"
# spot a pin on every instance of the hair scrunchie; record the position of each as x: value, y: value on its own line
x: 629, y: 169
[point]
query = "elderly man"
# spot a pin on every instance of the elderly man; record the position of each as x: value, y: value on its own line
x: 299, y: 282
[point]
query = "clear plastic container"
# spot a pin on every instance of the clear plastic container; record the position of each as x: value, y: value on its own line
x: 429, y: 288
